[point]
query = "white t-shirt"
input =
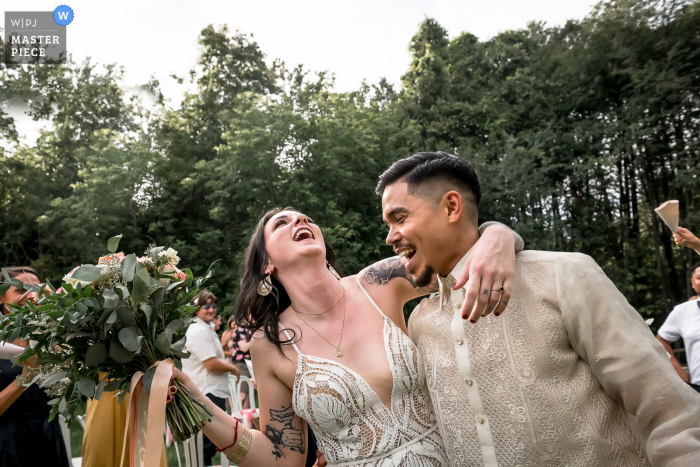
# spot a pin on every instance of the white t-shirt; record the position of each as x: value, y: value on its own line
x: 203, y: 344
x: 684, y: 323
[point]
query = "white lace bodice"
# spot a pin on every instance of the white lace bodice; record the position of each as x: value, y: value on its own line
x: 352, y: 425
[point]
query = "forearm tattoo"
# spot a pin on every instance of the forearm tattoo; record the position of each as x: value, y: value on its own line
x: 384, y: 271
x: 285, y: 430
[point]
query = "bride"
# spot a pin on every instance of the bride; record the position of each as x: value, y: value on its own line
x: 333, y: 353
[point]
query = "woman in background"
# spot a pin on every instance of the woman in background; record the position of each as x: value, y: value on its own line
x: 26, y: 436
x: 236, y: 344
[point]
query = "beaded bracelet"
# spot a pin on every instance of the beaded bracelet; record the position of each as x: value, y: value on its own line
x: 235, y: 437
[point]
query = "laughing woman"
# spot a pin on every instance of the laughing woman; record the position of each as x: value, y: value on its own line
x: 333, y: 352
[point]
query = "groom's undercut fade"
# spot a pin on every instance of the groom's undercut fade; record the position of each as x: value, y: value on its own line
x: 432, y: 174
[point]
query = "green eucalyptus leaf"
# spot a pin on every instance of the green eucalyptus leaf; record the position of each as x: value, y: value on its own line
x: 122, y: 288
x: 147, y: 311
x: 128, y: 337
x: 114, y: 384
x: 125, y: 316
x: 54, y: 401
x: 118, y: 352
x: 4, y: 287
x: 87, y: 273
x: 148, y: 379
x: 54, y: 378
x: 101, y: 387
x: 86, y: 386
x: 113, y: 243
x: 173, y: 285
x: 181, y: 354
x: 5, y: 275
x: 178, y: 363
x: 155, y: 251
x: 49, y: 358
x: 96, y: 354
x: 157, y: 296
x: 111, y: 299
x: 179, y: 345
x: 174, y: 325
x: 81, y: 307
x: 142, y: 286
x: 128, y: 265
x: 163, y: 341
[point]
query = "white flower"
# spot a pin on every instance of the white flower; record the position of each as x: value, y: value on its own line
x: 171, y: 256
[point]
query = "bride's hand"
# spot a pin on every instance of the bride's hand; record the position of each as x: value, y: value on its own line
x: 490, y: 265
x: 186, y: 381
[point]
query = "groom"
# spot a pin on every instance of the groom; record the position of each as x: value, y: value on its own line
x: 568, y: 375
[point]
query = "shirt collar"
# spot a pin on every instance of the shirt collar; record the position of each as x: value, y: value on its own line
x: 446, y: 282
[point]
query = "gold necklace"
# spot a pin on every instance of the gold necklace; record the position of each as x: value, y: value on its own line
x: 342, y: 292
x: 338, y: 351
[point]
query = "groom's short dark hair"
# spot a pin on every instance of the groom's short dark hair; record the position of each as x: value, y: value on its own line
x: 426, y: 168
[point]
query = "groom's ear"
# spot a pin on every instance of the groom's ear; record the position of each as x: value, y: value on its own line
x: 453, y: 206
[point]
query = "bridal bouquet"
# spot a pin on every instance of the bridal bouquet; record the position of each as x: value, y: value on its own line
x: 107, y: 322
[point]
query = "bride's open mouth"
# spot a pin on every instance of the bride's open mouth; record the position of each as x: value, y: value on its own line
x: 302, y: 234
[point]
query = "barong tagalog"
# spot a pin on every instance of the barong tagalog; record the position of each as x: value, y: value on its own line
x: 668, y: 212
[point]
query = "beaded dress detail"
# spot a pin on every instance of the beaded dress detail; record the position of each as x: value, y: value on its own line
x: 353, y: 427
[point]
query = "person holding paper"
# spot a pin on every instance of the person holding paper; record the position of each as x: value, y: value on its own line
x: 684, y: 323
x: 26, y: 435
x: 685, y: 237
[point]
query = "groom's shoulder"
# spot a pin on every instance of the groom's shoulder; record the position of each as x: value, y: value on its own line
x: 560, y: 258
x: 563, y: 263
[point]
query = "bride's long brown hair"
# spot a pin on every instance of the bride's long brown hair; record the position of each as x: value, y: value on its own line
x: 253, y: 311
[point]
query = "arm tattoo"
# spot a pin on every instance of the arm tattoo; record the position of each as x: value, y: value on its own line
x: 285, y: 430
x: 382, y: 272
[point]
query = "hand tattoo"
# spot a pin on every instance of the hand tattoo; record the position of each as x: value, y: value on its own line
x: 287, y: 431
x: 505, y: 302
x: 486, y: 291
x: 382, y: 272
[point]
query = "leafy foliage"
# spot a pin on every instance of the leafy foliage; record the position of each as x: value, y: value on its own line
x: 578, y: 132
x: 107, y: 322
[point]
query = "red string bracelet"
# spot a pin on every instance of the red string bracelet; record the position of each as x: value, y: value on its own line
x: 235, y: 437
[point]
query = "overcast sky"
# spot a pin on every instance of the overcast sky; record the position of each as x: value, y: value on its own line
x: 356, y: 40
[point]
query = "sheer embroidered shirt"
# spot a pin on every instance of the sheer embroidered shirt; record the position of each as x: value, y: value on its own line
x: 569, y: 375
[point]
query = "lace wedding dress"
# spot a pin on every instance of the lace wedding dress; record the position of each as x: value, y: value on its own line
x: 353, y: 427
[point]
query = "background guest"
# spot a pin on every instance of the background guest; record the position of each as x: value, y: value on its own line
x: 207, y: 366
x: 227, y: 339
x: 684, y: 323
x: 26, y: 436
x: 240, y: 340
x: 216, y: 322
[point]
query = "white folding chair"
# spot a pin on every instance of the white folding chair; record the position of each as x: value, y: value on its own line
x: 75, y: 461
x: 234, y: 385
x: 194, y: 452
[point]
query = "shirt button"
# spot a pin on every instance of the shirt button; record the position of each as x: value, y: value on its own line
x: 469, y: 382
x: 458, y: 305
x: 451, y: 281
x: 480, y: 419
x: 459, y: 341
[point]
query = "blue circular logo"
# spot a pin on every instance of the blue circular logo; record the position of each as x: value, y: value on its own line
x: 63, y: 15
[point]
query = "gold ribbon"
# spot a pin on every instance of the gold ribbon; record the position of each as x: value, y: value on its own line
x: 155, y: 413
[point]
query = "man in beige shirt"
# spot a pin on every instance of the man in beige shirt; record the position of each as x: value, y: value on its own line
x: 568, y: 375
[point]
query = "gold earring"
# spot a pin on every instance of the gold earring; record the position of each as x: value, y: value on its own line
x: 332, y: 270
x: 265, y: 286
